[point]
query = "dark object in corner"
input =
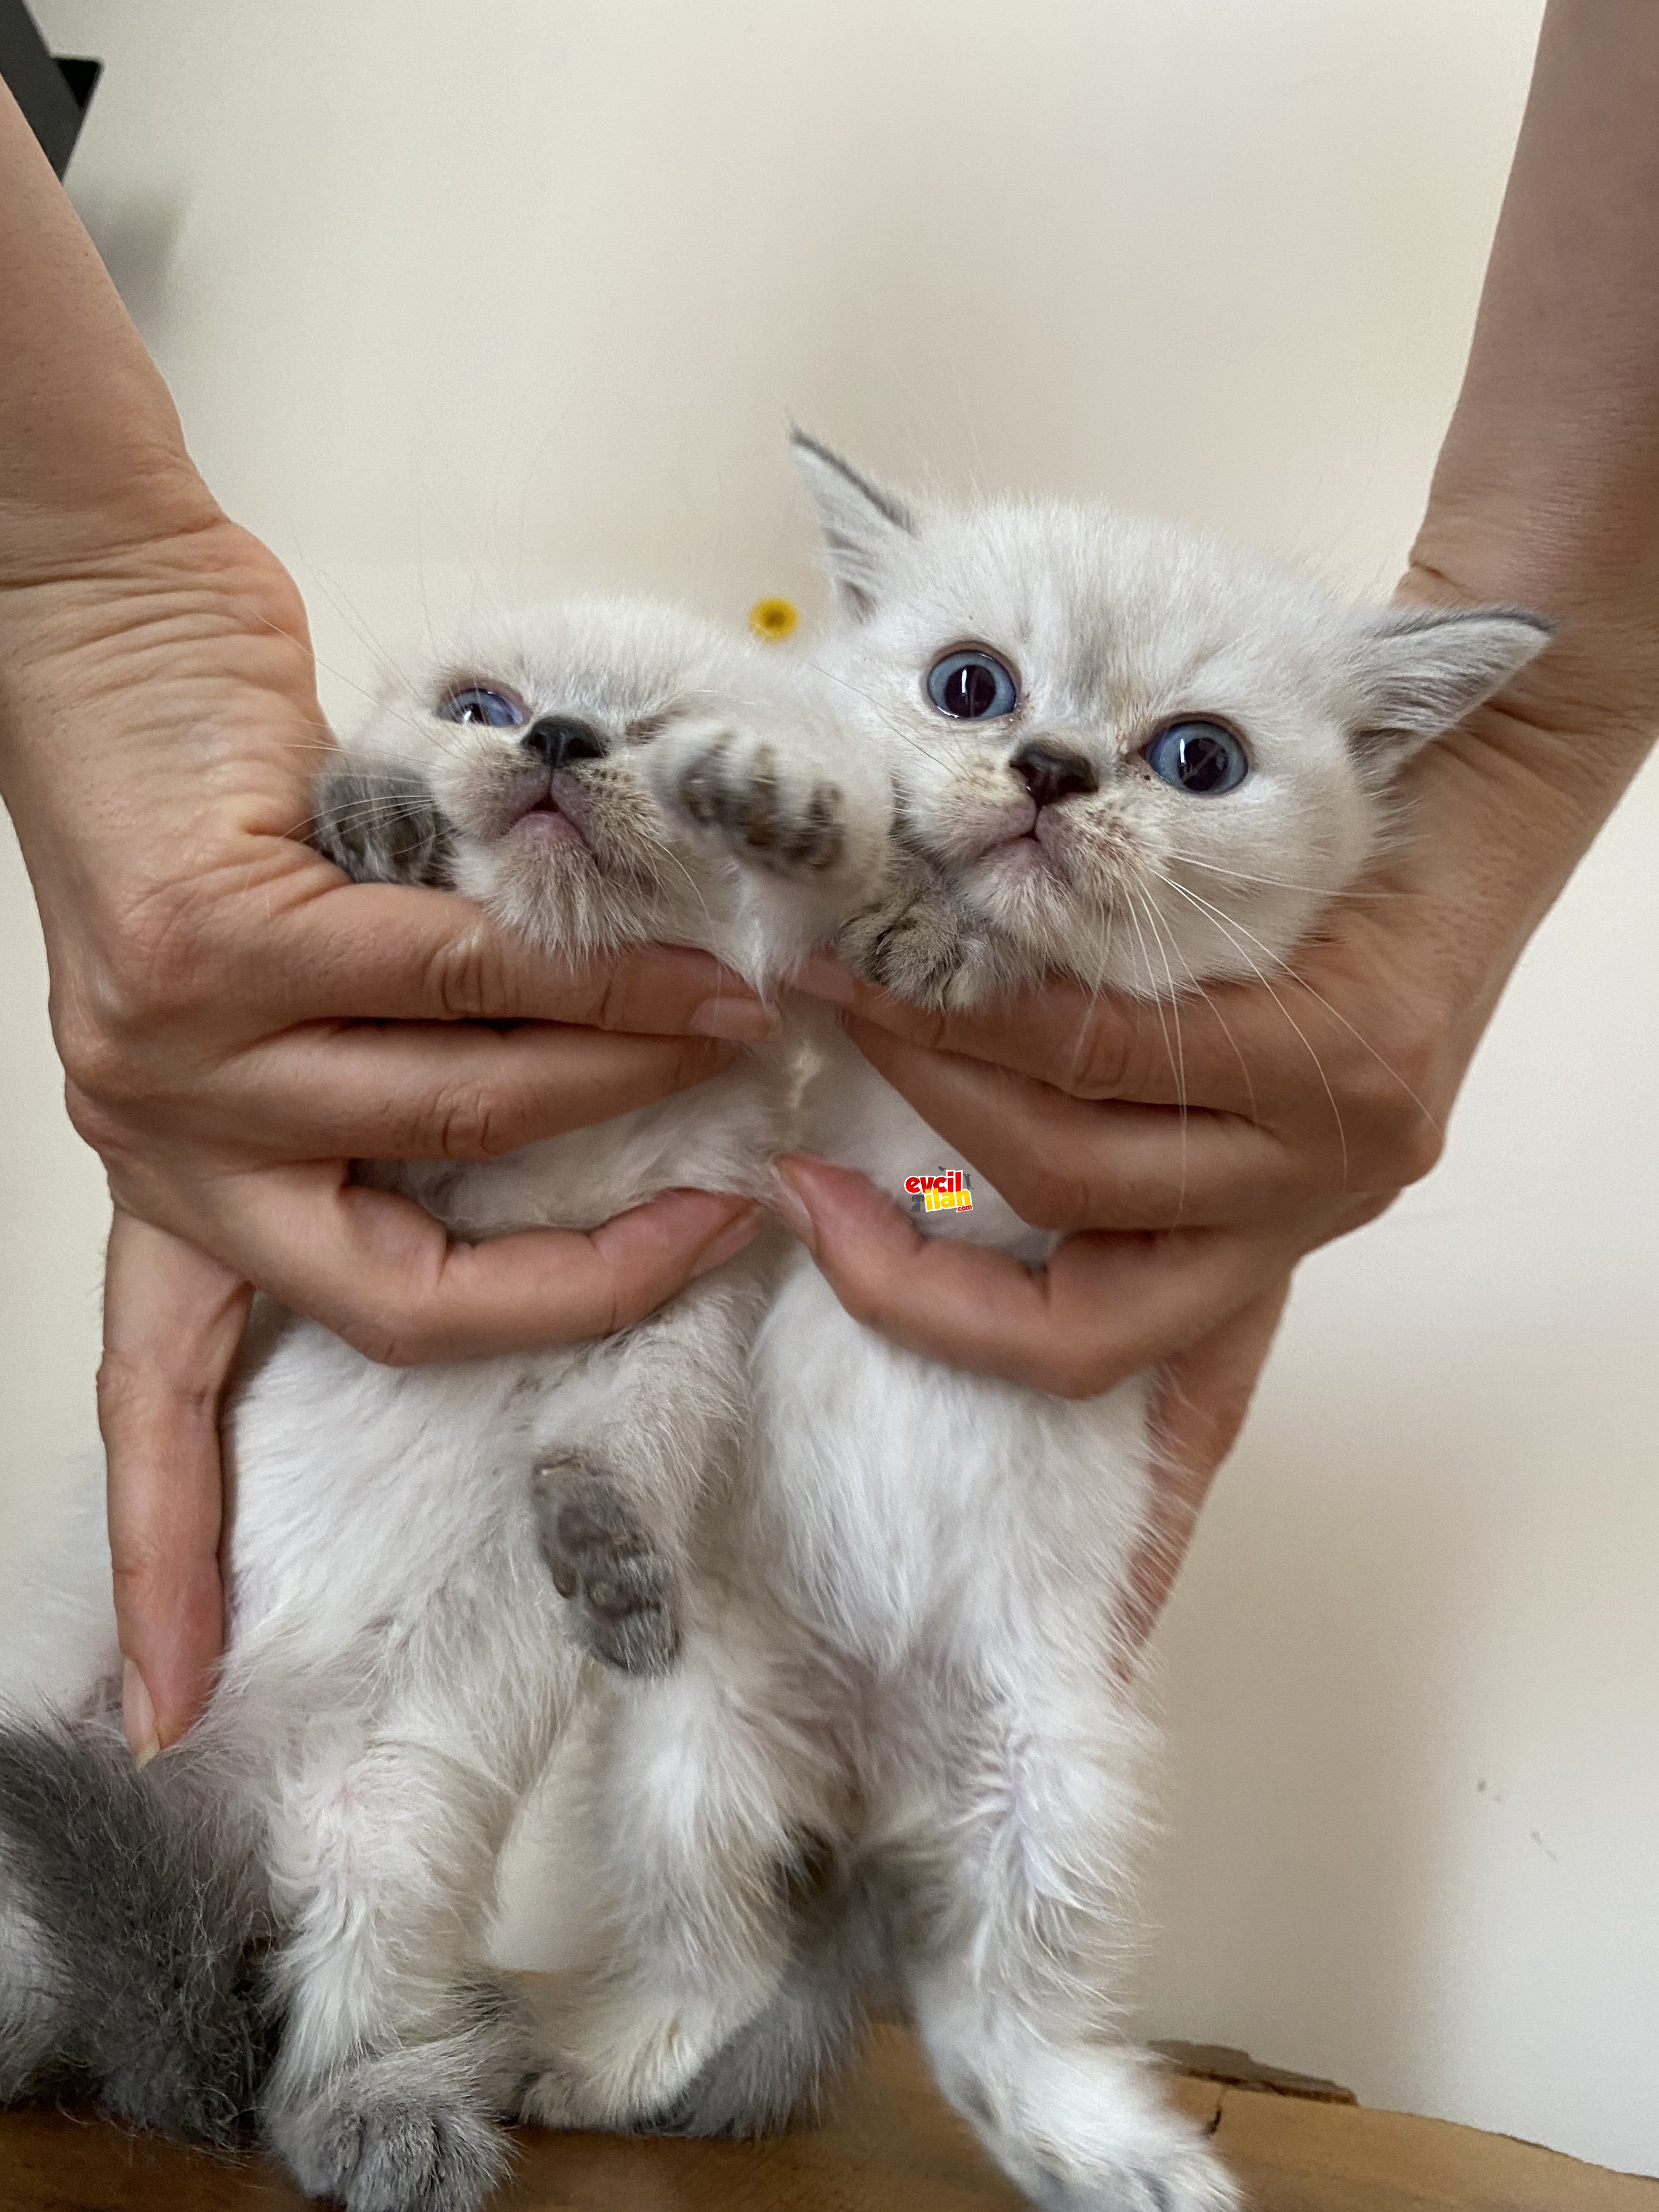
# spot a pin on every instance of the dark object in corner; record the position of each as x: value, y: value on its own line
x: 54, y: 95
x: 1237, y: 2069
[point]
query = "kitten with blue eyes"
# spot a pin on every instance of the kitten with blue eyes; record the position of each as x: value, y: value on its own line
x: 1132, y: 755
x: 286, y: 1914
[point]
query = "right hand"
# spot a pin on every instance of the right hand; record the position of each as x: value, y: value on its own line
x: 237, y: 1022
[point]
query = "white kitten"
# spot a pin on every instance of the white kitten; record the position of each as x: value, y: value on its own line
x: 1146, y: 759
x: 417, y: 1560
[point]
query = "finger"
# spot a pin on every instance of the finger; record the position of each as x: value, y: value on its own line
x: 1203, y: 1397
x: 401, y: 954
x: 1068, y: 1163
x: 380, y: 1271
x: 424, y: 1091
x: 1237, y: 1049
x: 1104, y: 1308
x: 172, y: 1318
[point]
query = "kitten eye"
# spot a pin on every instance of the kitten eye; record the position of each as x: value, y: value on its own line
x: 477, y: 703
x: 1200, y: 757
x: 972, y: 687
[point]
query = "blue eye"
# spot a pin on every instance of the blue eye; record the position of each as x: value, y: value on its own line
x: 476, y: 702
x: 972, y: 687
x: 1199, y: 757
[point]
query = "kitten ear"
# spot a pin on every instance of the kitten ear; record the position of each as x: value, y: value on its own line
x: 863, y: 525
x: 1421, y: 669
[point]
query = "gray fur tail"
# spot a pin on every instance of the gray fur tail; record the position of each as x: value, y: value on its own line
x: 133, y: 1926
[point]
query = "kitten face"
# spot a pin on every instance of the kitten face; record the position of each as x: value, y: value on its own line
x: 1120, y: 748
x: 559, y: 772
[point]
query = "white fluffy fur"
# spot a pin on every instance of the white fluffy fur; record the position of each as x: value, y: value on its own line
x: 900, y: 1672
x: 938, y: 1559
x: 399, y: 1663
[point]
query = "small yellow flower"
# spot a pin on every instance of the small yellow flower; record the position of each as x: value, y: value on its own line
x: 773, y: 618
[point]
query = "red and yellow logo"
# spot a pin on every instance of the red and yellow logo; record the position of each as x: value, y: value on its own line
x: 949, y: 1192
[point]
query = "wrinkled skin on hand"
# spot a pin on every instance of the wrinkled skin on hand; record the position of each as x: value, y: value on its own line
x: 237, y: 1022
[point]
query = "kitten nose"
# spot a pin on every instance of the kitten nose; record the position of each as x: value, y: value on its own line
x: 1049, y: 773
x: 562, y: 743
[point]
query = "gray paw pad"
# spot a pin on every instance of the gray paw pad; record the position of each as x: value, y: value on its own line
x: 603, y: 1563
x: 794, y: 833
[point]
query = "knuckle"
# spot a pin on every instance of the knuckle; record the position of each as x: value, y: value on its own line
x: 124, y: 1392
x: 103, y: 1048
x: 388, y: 1341
x: 91, y: 1115
x: 467, y: 980
x: 1391, y: 1086
x: 469, y: 1122
x: 1418, y: 1147
x: 157, y: 970
x: 613, y: 1004
x: 165, y: 961
x: 1073, y: 1371
x: 139, y: 1569
x: 1100, y: 1064
x: 1049, y: 1196
x: 1366, y: 1210
x: 859, y: 1299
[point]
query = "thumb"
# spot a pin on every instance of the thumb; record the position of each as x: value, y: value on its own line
x: 172, y: 1318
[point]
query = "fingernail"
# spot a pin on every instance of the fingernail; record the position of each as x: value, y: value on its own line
x: 737, y: 1021
x: 138, y: 1716
x: 786, y: 1202
x: 823, y: 976
x: 733, y: 1238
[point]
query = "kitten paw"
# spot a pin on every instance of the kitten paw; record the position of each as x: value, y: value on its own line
x: 1194, y: 2181
x: 918, y: 950
x: 604, y: 1564
x: 1086, y: 2131
x: 381, y: 826
x: 374, y: 2150
x: 787, y: 820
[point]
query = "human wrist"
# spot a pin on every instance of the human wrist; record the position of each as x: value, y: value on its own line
x: 1582, y: 717
x: 193, y: 598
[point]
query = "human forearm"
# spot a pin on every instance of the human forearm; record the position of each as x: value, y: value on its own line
x: 236, y: 1021
x: 91, y: 451
x: 1547, y: 489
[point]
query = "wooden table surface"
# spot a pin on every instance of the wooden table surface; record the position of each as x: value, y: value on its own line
x: 892, y: 2145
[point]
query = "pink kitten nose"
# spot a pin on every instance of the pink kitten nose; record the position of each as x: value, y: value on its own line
x: 1049, y: 773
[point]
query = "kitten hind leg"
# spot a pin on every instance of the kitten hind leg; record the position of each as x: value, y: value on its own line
x: 1012, y: 1959
x: 778, y: 2065
x: 400, y: 2054
x: 700, y: 1789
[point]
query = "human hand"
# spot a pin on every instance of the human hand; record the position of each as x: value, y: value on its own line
x: 237, y: 1022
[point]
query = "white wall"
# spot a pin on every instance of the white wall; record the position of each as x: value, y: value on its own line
x: 488, y: 299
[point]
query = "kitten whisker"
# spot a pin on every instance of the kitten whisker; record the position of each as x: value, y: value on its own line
x: 888, y: 719
x: 1319, y: 1065
x: 1181, y: 1051
x: 1276, y: 883
x: 1176, y: 1067
x: 1301, y: 980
